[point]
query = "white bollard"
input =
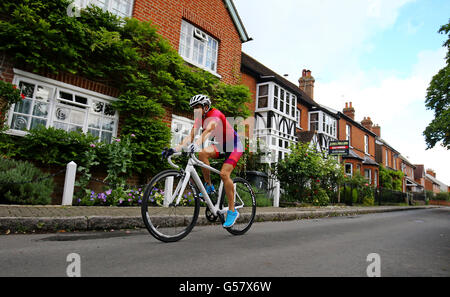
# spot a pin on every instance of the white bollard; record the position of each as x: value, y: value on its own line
x: 69, y: 183
x: 276, y: 195
x: 168, y: 187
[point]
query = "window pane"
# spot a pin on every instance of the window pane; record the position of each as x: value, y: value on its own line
x: 262, y: 102
x: 275, y: 91
x: 97, y: 106
x: 95, y: 133
x: 66, y: 96
x: 109, y: 110
x: 80, y: 99
x: 77, y: 117
x: 40, y: 109
x: 19, y: 122
x: 94, y: 122
x: 27, y: 89
x: 62, y: 114
x: 61, y: 126
x: 314, y: 117
x: 37, y: 122
x: 24, y: 106
x: 108, y: 124
x: 263, y: 90
x: 43, y: 93
x: 106, y: 137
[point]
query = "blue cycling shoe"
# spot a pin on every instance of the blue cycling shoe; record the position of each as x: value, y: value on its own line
x: 231, y: 218
x: 209, y: 189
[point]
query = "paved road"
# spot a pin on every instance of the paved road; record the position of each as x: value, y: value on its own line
x: 410, y: 243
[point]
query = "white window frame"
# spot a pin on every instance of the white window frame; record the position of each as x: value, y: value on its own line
x: 351, y: 169
x: 326, y: 124
x: 54, y: 101
x: 369, y: 178
x: 107, y: 5
x: 192, y: 37
x: 186, y: 126
x: 298, y: 118
x: 386, y: 157
x: 366, y: 144
x: 348, y: 131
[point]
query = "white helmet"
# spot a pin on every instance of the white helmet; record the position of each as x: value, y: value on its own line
x: 200, y: 99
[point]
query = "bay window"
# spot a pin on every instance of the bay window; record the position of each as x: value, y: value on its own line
x: 54, y: 104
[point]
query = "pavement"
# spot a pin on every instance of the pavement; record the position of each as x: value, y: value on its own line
x: 55, y: 218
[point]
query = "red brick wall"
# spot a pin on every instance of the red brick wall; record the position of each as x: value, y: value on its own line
x: 209, y: 15
x: 304, y: 116
x: 357, y: 138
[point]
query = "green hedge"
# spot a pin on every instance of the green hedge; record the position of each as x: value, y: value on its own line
x: 19, y: 185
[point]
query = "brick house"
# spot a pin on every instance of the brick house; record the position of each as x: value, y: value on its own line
x: 361, y: 138
x: 409, y: 185
x: 207, y: 34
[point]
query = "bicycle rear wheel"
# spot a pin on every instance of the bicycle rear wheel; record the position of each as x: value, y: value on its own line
x: 244, y: 202
x: 166, y: 221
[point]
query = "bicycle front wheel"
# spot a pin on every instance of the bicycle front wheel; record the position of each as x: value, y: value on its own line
x: 244, y: 202
x: 166, y: 220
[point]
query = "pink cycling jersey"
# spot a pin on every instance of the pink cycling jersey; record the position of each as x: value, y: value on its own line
x: 228, y: 140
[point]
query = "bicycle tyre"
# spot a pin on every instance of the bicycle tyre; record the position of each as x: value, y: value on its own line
x: 245, y: 220
x: 156, y: 224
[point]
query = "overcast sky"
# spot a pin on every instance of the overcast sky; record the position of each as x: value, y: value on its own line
x: 379, y: 54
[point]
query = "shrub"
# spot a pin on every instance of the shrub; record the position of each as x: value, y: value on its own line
x: 15, y: 185
x: 355, y: 195
x: 320, y: 198
x: 443, y: 196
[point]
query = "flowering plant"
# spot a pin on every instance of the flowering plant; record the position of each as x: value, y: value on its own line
x: 9, y: 94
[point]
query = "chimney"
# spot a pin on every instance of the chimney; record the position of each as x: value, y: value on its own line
x: 431, y: 172
x: 306, y: 83
x: 349, y: 111
x: 367, y: 123
x: 377, y: 130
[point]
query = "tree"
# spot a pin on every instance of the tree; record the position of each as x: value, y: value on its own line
x: 438, y: 100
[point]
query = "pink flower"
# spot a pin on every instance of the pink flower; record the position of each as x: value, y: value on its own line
x: 132, y: 135
x: 118, y: 140
x: 367, y: 184
x: 92, y: 145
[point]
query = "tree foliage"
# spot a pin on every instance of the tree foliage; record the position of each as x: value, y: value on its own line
x: 438, y: 100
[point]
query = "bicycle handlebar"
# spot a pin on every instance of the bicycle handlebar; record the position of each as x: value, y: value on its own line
x: 169, y: 159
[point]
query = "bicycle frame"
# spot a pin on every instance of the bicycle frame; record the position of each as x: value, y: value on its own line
x: 189, y: 172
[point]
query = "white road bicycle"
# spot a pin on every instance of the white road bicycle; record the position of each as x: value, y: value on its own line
x: 171, y: 203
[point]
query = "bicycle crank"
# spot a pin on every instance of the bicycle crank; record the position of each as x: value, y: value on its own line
x: 210, y: 216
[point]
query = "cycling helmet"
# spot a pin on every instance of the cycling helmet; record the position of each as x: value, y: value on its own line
x: 200, y: 99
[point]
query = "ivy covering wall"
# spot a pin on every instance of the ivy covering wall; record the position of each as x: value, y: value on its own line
x: 128, y: 54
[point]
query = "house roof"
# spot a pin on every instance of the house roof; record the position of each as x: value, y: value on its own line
x: 369, y: 161
x: 353, y: 155
x: 355, y: 123
x: 386, y: 144
x: 436, y: 181
x: 237, y: 21
x: 305, y: 136
x: 406, y: 161
x: 265, y: 74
